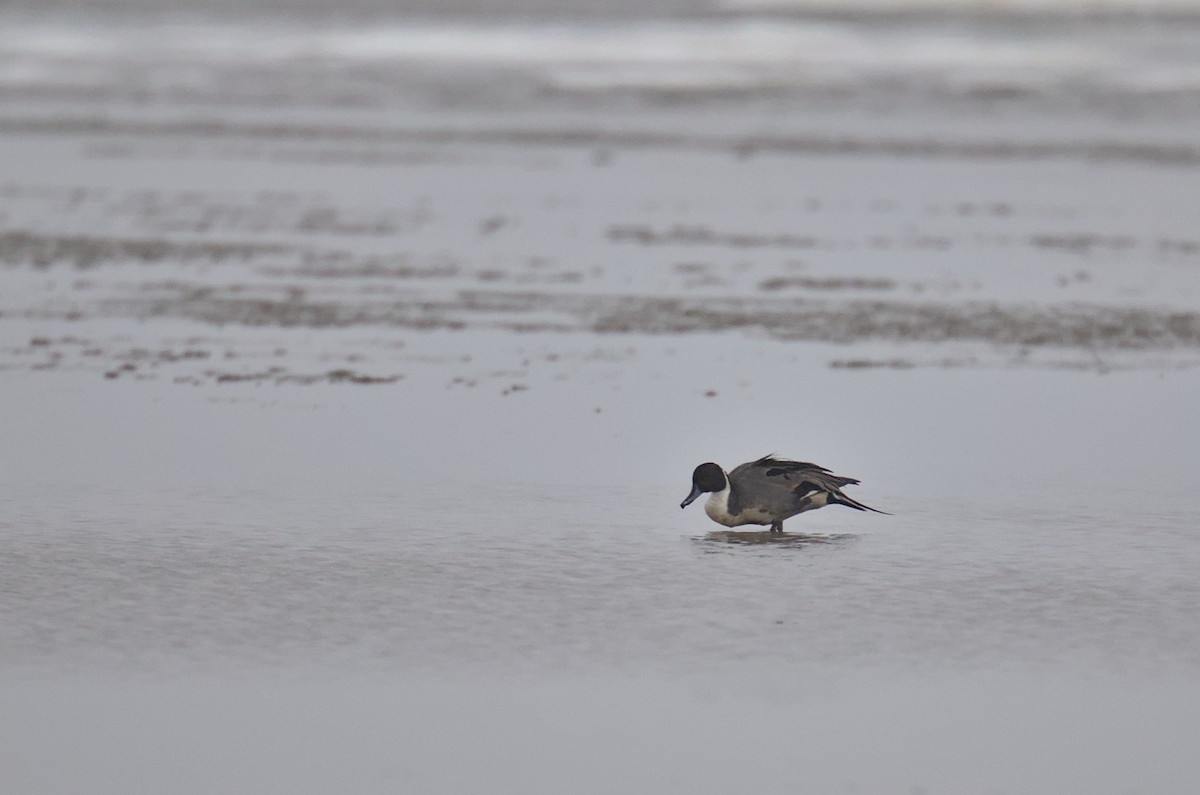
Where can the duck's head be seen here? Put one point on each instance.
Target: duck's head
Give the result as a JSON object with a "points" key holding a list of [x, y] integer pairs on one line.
{"points": [[706, 477]]}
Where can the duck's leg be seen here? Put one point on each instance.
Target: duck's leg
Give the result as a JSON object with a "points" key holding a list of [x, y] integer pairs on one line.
{"points": [[777, 527]]}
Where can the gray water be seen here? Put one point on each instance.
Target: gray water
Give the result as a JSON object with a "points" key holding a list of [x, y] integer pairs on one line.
{"points": [[222, 590], [355, 362]]}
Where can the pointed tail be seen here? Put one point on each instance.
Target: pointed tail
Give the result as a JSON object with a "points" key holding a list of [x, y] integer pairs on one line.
{"points": [[837, 498]]}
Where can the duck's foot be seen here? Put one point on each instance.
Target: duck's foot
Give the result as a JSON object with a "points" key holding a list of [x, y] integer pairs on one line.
{"points": [[777, 527]]}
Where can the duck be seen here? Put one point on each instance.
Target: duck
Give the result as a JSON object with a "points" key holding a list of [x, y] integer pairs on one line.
{"points": [[767, 491]]}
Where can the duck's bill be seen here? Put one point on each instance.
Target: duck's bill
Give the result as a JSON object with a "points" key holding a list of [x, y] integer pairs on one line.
{"points": [[691, 497]]}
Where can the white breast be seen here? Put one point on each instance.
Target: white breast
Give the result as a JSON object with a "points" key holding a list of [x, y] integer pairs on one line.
{"points": [[717, 508]]}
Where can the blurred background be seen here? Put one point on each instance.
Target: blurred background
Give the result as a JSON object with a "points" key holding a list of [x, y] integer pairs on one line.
{"points": [[560, 159], [743, 67]]}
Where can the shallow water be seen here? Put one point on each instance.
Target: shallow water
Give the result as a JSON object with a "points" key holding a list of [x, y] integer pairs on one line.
{"points": [[355, 372], [212, 572], [190, 547]]}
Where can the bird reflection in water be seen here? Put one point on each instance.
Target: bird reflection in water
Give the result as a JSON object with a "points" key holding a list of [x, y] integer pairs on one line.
{"points": [[766, 537]]}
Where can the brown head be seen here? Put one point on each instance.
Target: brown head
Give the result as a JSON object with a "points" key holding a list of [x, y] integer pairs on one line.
{"points": [[706, 478]]}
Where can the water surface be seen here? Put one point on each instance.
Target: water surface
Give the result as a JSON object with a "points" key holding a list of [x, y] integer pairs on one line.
{"points": [[356, 361]]}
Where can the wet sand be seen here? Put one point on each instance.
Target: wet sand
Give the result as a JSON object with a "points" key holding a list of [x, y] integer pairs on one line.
{"points": [[1006, 281]]}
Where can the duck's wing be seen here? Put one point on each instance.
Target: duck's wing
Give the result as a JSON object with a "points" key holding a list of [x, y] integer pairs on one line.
{"points": [[790, 474], [781, 480]]}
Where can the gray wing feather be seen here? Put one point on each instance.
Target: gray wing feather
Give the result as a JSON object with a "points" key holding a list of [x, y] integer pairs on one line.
{"points": [[780, 484]]}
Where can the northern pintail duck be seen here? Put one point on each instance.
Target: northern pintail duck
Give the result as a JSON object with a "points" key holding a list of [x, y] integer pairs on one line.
{"points": [[767, 491]]}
